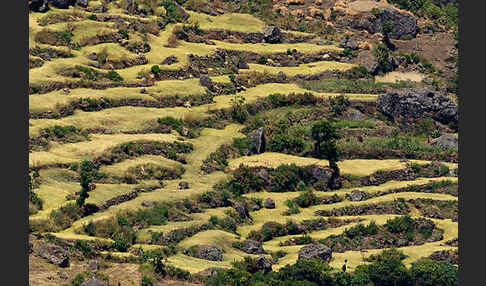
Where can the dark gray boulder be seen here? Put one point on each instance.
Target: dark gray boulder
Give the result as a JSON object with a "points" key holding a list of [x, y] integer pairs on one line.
{"points": [[210, 252], [54, 253], [264, 264], [353, 114], [272, 34], [39, 6], [448, 141], [252, 247], [242, 211], [281, 76], [322, 174], [315, 250], [407, 105], [403, 23], [258, 138], [206, 81], [243, 65], [369, 61], [269, 203], [356, 195], [93, 282], [349, 43], [82, 3], [169, 60], [62, 4], [183, 185]]}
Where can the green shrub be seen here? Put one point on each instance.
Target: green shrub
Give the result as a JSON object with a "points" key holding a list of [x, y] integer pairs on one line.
{"points": [[78, 279], [114, 76], [432, 273], [155, 69]]}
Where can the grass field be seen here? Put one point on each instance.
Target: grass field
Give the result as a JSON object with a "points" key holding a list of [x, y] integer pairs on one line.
{"points": [[57, 184]]}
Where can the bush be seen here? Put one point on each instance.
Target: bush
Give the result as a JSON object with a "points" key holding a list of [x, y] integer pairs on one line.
{"points": [[155, 70], [114, 76], [434, 273], [147, 281], [121, 245], [78, 280]]}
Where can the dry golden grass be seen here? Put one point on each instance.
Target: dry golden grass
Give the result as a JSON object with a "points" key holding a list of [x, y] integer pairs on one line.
{"points": [[358, 167], [74, 152]]}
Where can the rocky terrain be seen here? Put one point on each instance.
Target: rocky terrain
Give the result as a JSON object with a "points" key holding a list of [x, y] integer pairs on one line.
{"points": [[283, 142]]}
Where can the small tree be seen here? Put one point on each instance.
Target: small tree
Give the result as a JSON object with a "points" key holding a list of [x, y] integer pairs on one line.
{"points": [[325, 146], [86, 177], [239, 112]]}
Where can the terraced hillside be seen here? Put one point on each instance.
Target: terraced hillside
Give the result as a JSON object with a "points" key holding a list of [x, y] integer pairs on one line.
{"points": [[170, 139]]}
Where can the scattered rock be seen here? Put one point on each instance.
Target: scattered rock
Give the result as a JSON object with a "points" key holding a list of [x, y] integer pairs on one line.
{"points": [[264, 264], [143, 91], [82, 3], [281, 76], [93, 265], [63, 275], [62, 4], [407, 105], [170, 60], [315, 250], [243, 65], [369, 61], [272, 34], [269, 203], [252, 247], [210, 252], [209, 272], [258, 137], [353, 114], [38, 6], [206, 81], [93, 282], [350, 43], [54, 253], [356, 196], [241, 210], [183, 185], [322, 174], [448, 141]]}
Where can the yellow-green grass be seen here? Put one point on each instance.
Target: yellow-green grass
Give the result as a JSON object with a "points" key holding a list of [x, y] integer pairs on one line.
{"points": [[73, 236], [303, 69], [74, 152], [233, 21], [264, 48], [265, 215], [198, 183], [104, 192], [119, 119], [120, 169], [220, 238], [355, 258], [113, 51], [90, 28], [281, 197], [198, 219], [53, 195], [358, 167], [55, 99]]}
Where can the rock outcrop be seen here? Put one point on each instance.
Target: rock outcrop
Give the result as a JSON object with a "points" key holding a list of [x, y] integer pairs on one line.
{"points": [[54, 253], [252, 247], [403, 24], [407, 105], [258, 138], [315, 250]]}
